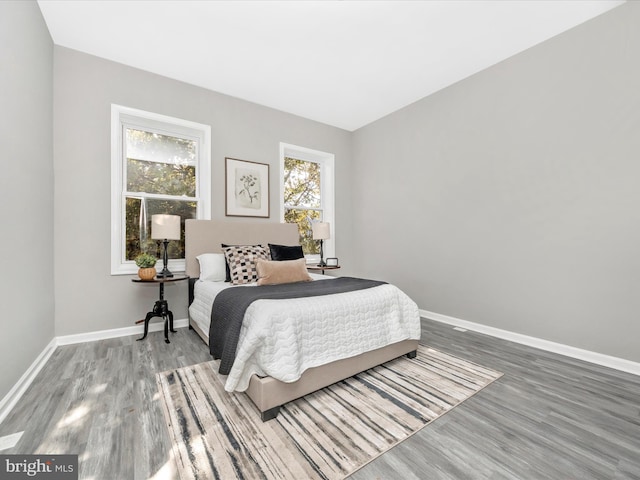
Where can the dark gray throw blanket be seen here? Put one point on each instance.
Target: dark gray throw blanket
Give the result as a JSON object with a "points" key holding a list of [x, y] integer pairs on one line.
{"points": [[230, 305]]}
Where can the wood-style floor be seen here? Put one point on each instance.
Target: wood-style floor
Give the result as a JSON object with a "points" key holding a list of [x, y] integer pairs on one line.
{"points": [[548, 417]]}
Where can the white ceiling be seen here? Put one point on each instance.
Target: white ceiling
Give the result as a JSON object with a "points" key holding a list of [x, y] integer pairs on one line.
{"points": [[344, 63]]}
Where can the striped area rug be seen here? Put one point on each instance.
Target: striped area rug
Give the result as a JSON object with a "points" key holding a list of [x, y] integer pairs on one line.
{"points": [[328, 434]]}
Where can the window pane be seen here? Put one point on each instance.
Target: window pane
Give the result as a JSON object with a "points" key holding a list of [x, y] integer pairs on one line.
{"points": [[160, 163], [138, 225], [301, 183], [304, 219]]}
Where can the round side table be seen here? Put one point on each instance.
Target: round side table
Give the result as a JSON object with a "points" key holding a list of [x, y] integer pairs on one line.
{"points": [[161, 307]]}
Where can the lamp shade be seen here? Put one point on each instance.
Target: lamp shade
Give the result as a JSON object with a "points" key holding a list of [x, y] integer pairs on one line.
{"points": [[321, 231], [165, 227]]}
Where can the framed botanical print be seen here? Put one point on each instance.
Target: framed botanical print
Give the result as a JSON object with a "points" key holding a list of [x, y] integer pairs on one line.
{"points": [[247, 188]]}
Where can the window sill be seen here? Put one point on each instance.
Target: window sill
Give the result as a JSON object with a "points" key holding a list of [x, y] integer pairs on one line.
{"points": [[130, 268]]}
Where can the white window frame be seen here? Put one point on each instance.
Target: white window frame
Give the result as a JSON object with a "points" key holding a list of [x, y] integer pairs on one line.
{"points": [[327, 189], [126, 117]]}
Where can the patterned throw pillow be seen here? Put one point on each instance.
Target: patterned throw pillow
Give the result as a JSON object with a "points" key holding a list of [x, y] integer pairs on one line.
{"points": [[242, 261], [224, 245]]}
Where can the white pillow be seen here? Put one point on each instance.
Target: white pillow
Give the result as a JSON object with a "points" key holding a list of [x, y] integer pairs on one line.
{"points": [[213, 267]]}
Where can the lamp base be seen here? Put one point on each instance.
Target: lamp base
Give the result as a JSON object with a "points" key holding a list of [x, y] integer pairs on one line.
{"points": [[322, 262], [165, 273]]}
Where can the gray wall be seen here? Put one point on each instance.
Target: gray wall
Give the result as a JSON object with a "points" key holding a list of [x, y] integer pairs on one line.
{"points": [[26, 189], [87, 297], [512, 198]]}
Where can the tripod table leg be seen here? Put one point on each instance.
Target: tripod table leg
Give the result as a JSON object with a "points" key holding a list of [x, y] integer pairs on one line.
{"points": [[149, 316], [171, 322]]}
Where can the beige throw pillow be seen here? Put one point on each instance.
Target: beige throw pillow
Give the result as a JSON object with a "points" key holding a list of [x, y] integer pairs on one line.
{"points": [[285, 271]]}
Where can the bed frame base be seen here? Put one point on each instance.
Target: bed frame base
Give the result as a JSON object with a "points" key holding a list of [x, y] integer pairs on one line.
{"points": [[270, 414], [268, 394], [204, 336]]}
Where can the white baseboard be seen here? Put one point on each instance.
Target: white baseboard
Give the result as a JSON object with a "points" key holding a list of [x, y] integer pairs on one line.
{"points": [[117, 332], [11, 399], [567, 350]]}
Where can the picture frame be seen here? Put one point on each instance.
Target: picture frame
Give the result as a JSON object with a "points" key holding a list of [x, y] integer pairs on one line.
{"points": [[331, 261], [246, 188]]}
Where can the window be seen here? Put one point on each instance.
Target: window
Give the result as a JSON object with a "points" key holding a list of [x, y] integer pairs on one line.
{"points": [[159, 164], [308, 194]]}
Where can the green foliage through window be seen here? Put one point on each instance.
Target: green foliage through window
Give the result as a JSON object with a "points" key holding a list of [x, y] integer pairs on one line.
{"points": [[302, 199], [138, 225], [160, 178]]}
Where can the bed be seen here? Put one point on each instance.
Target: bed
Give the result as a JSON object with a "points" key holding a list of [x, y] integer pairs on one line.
{"points": [[266, 392]]}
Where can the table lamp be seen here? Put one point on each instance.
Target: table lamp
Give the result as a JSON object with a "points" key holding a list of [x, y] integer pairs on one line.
{"points": [[322, 232], [165, 228]]}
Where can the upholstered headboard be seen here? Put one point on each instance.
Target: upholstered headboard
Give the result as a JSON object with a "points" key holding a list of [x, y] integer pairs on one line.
{"points": [[205, 236]]}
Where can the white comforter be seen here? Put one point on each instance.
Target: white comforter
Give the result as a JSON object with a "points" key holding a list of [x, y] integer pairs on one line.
{"points": [[283, 338]]}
